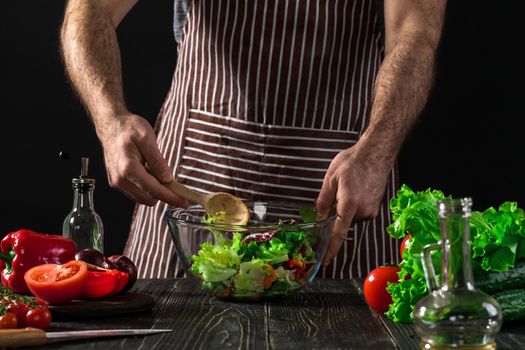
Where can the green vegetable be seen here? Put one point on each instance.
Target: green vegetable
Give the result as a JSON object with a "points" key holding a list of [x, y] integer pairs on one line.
{"points": [[308, 214], [415, 213], [492, 282], [512, 304], [237, 267], [284, 285], [216, 263], [249, 280], [495, 236], [497, 241]]}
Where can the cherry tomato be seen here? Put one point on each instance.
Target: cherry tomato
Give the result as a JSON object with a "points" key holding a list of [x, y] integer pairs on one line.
{"points": [[57, 284], [41, 302], [8, 321], [404, 242], [375, 284], [39, 317], [20, 310]]}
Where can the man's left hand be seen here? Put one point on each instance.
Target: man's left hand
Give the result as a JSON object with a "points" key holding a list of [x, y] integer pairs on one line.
{"points": [[354, 187]]}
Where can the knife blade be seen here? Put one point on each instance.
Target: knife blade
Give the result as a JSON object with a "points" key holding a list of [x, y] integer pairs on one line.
{"points": [[34, 336]]}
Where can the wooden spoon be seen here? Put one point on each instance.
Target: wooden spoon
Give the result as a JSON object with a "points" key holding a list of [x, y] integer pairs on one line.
{"points": [[236, 212]]}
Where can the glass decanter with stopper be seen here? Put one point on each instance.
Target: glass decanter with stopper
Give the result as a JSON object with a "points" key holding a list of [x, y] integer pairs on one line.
{"points": [[83, 224], [455, 315]]}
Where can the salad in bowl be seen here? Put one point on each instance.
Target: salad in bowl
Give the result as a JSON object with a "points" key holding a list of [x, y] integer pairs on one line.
{"points": [[277, 253]]}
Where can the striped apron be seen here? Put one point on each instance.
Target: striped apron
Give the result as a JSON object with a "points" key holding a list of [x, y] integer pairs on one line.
{"points": [[264, 95]]}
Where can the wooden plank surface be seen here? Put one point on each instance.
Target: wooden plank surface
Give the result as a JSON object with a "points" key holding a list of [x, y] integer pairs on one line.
{"points": [[330, 315]]}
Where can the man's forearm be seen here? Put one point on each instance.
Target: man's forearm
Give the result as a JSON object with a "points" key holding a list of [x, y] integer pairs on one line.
{"points": [[405, 78], [401, 91], [92, 59]]}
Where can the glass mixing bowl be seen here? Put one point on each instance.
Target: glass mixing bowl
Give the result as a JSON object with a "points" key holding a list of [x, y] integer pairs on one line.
{"points": [[278, 252]]}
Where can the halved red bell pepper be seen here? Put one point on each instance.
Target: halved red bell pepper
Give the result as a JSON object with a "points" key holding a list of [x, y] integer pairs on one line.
{"points": [[24, 249], [103, 282], [122, 281]]}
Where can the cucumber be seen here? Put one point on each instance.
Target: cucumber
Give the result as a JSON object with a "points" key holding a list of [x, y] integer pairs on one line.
{"points": [[493, 282], [512, 304]]}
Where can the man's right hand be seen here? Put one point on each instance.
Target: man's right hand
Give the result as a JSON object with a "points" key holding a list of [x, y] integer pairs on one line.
{"points": [[134, 163]]}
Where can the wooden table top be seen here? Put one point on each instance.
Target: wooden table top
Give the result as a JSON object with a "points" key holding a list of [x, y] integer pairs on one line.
{"points": [[331, 314]]}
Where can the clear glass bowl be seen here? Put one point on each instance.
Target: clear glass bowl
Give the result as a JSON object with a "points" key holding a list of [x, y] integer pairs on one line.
{"points": [[278, 252]]}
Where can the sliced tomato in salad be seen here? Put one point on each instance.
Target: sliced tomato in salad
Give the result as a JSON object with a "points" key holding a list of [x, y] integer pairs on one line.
{"points": [[298, 265], [269, 277]]}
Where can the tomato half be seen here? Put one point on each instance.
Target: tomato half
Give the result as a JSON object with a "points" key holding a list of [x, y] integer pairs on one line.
{"points": [[404, 243], [375, 284], [57, 284]]}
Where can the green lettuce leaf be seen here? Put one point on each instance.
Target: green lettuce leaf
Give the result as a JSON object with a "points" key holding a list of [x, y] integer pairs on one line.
{"points": [[216, 262], [496, 235], [497, 240], [273, 252], [249, 280]]}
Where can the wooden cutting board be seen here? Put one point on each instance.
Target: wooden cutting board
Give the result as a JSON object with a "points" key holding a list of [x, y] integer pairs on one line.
{"points": [[127, 303]]}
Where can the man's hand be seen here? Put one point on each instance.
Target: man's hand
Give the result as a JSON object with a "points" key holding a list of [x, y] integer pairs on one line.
{"points": [[92, 60], [356, 179], [354, 187], [129, 144]]}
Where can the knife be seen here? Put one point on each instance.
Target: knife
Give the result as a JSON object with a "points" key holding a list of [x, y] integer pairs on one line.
{"points": [[34, 336]]}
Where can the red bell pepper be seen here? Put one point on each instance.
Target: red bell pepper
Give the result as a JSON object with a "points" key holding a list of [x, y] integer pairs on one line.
{"points": [[103, 282], [24, 249]]}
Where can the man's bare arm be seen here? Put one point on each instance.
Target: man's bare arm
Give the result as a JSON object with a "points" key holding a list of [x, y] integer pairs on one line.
{"points": [[356, 179], [412, 35], [91, 56]]}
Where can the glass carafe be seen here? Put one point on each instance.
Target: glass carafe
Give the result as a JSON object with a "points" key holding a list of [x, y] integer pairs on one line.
{"points": [[455, 315], [83, 224]]}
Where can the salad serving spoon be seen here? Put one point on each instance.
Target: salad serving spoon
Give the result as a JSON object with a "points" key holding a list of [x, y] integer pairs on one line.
{"points": [[235, 211]]}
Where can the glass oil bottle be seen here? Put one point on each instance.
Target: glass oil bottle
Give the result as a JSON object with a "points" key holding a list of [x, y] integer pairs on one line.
{"points": [[83, 224], [455, 315]]}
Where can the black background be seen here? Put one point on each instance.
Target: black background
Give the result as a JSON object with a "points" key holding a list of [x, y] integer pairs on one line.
{"points": [[468, 142]]}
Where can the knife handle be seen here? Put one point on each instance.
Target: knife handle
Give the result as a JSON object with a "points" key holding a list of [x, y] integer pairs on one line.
{"points": [[22, 337]]}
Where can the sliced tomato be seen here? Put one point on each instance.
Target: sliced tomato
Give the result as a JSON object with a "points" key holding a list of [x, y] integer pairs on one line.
{"points": [[269, 276], [297, 265], [57, 284]]}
